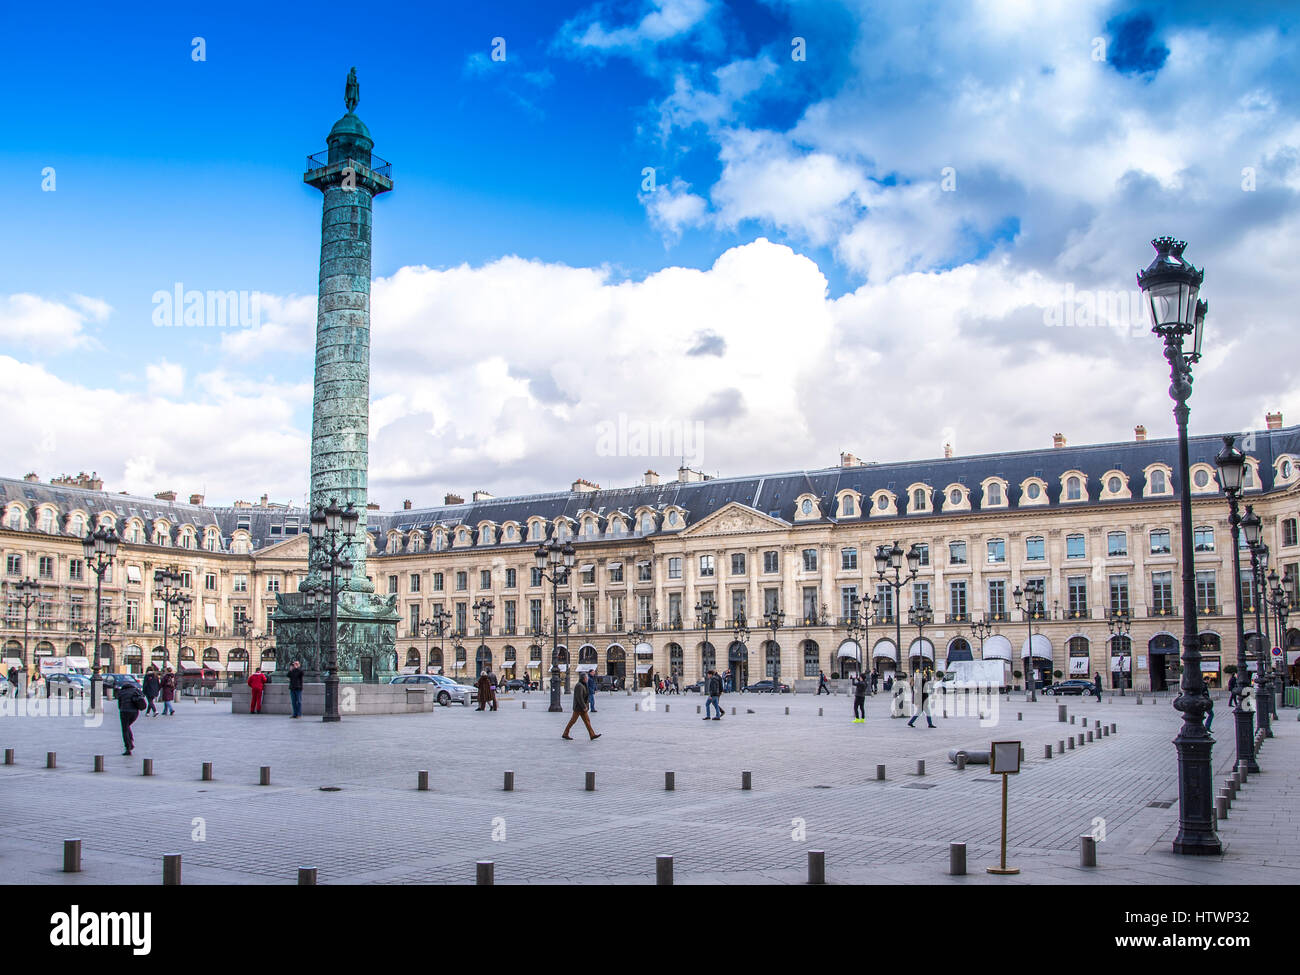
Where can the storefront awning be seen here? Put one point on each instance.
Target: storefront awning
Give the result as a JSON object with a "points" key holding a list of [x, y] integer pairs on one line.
{"points": [[921, 648], [643, 668], [850, 649], [960, 653], [997, 647], [583, 668], [614, 565], [1042, 648], [588, 567], [885, 650], [644, 650]]}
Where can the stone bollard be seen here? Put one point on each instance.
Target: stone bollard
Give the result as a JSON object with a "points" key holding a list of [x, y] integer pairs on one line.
{"points": [[485, 873], [667, 707], [1069, 742], [421, 781], [1022, 754], [1071, 719], [787, 709], [206, 773], [1105, 731], [816, 866], [1047, 751], [1139, 699], [523, 705], [880, 773], [1096, 724], [9, 756], [733, 712], [961, 761], [1060, 746], [148, 767], [697, 709], [591, 781], [99, 763], [51, 760], [264, 775], [1087, 850], [636, 706], [664, 871], [1090, 736], [920, 766], [1112, 728], [1081, 740], [1020, 716], [670, 781], [1221, 804], [746, 780], [306, 876], [508, 783], [819, 712], [72, 856], [957, 859], [1061, 711], [171, 869]]}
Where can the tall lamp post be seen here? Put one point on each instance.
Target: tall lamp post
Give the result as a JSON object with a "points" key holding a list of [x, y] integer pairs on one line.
{"points": [[559, 558], [1172, 286], [773, 620], [333, 530], [636, 635], [167, 590], [861, 613], [1251, 526], [740, 634], [1281, 600], [434, 625], [706, 614], [920, 617], [29, 593], [1119, 624], [1231, 462], [892, 558], [1030, 601], [100, 547], [483, 607]]}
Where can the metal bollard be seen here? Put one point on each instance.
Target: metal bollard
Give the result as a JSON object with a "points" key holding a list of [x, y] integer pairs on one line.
{"points": [[171, 870], [1020, 716], [523, 705], [637, 706], [920, 766], [1022, 754], [9, 756], [670, 781], [1071, 719], [819, 712], [1139, 699], [664, 871], [1087, 850], [306, 876], [880, 773], [72, 856], [1047, 751], [787, 709], [733, 712], [485, 873], [957, 859], [99, 763], [1061, 712], [697, 709], [1221, 806], [746, 780], [206, 773], [1070, 743], [1081, 740], [148, 767], [51, 760], [591, 781], [1112, 728], [264, 775], [816, 866], [508, 785], [1060, 746], [961, 761], [1090, 736], [1105, 731], [421, 781], [667, 708]]}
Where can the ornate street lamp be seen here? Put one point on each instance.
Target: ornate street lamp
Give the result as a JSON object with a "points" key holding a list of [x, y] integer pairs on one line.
{"points": [[636, 635], [1172, 287], [333, 532], [29, 593], [559, 558], [1231, 462], [483, 607], [892, 558], [1032, 598], [167, 590], [981, 630], [1252, 527], [100, 547], [1281, 600], [706, 614], [1119, 624], [434, 625], [773, 619], [861, 613]]}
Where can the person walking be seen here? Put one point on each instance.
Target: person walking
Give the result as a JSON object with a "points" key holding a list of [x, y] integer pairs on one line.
{"points": [[167, 691], [591, 691], [1233, 693], [822, 686], [1096, 686], [713, 688], [151, 688], [130, 701], [580, 709], [1209, 710], [256, 681], [924, 678], [860, 685], [296, 677], [484, 691], [13, 680]]}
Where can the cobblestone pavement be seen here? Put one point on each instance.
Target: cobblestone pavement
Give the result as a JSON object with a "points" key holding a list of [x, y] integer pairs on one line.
{"points": [[814, 787]]}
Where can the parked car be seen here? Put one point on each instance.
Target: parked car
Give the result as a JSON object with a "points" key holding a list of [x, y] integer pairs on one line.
{"points": [[75, 680], [696, 688], [1074, 686], [115, 681], [606, 682], [447, 689], [766, 687], [516, 684]]}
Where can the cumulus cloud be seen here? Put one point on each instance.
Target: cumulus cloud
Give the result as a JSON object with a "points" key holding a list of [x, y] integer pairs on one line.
{"points": [[48, 325]]}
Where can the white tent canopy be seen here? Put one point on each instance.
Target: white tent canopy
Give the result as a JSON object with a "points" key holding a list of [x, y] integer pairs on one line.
{"points": [[997, 647], [1042, 647], [885, 649], [921, 648], [850, 649]]}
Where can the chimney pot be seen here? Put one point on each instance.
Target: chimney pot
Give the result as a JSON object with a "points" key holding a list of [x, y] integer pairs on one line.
{"points": [[1273, 420], [453, 499], [651, 478], [1140, 433], [406, 505], [947, 450], [1058, 440]]}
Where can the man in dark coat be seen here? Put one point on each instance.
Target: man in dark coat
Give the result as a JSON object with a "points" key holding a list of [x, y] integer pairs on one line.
{"points": [[129, 703], [580, 709], [484, 684], [1096, 686], [151, 688], [860, 685], [296, 677]]}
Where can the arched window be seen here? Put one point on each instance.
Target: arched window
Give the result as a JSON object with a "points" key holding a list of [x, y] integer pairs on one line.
{"points": [[708, 658], [995, 493], [846, 506], [918, 499], [1158, 484], [1073, 489]]}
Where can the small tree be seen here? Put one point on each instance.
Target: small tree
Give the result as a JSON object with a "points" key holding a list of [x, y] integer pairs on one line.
{"points": [[1057, 674], [1230, 669], [1016, 674]]}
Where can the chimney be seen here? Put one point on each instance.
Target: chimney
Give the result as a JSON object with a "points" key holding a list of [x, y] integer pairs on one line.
{"points": [[196, 499], [166, 495], [265, 501], [686, 475], [1273, 420], [33, 477], [453, 499], [372, 506], [406, 505], [651, 478], [1058, 440], [947, 450], [583, 485], [1139, 433], [848, 459], [482, 495]]}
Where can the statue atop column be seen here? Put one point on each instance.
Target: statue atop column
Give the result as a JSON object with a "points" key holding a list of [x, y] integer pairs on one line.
{"points": [[352, 93]]}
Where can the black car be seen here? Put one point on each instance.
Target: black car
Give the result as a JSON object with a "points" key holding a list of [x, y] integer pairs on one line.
{"points": [[696, 688], [1076, 686], [766, 687], [516, 684]]}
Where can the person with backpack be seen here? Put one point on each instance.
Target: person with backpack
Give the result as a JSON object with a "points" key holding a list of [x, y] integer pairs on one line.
{"points": [[151, 687], [860, 685], [822, 686], [713, 687], [130, 701]]}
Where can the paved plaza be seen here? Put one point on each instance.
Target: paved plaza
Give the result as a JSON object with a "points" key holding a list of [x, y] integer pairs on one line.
{"points": [[814, 787]]}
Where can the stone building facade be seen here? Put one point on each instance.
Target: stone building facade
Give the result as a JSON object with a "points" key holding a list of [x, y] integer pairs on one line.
{"points": [[1097, 524]]}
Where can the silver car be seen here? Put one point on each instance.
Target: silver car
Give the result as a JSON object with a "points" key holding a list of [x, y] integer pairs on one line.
{"points": [[447, 689]]}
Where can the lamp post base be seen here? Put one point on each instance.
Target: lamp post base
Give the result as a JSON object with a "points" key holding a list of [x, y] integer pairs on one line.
{"points": [[555, 696], [1196, 835], [331, 699]]}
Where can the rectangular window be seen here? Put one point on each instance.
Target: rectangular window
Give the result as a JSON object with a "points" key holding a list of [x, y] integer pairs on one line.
{"points": [[415, 582], [737, 604], [616, 573], [956, 553], [675, 567], [847, 595], [675, 610], [957, 607], [1247, 594], [512, 618], [1035, 549], [885, 599], [210, 582], [1203, 539], [240, 582], [643, 572], [159, 618], [45, 567], [810, 560], [1117, 544], [1119, 595], [771, 562], [923, 550], [1160, 542], [706, 565], [392, 585], [810, 605], [997, 599], [1162, 593], [462, 616], [415, 619], [132, 614], [1074, 548], [1207, 593], [512, 578], [645, 610], [588, 575], [462, 581], [535, 615], [737, 563], [997, 550], [848, 558], [771, 600], [534, 577], [485, 579], [1289, 532], [588, 607], [1077, 597], [272, 583], [14, 565], [920, 594], [75, 570], [437, 582]]}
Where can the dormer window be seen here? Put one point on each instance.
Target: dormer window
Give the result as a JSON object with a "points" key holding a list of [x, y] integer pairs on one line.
{"points": [[846, 506], [1073, 489], [995, 494], [882, 502], [1033, 491], [1158, 483], [954, 496], [807, 506], [918, 499]]}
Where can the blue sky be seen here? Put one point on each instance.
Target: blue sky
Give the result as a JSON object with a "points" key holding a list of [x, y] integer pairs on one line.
{"points": [[800, 230]]}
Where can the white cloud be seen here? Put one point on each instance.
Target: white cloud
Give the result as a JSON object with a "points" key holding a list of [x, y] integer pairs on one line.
{"points": [[674, 207], [48, 325], [165, 379], [663, 21]]}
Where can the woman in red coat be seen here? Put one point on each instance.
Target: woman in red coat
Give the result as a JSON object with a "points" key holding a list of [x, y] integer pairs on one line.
{"points": [[168, 695], [257, 682]]}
